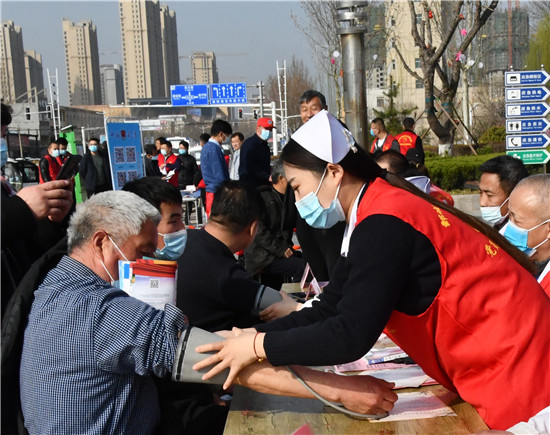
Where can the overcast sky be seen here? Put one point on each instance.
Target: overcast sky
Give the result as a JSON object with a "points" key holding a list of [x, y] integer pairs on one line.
{"points": [[261, 32]]}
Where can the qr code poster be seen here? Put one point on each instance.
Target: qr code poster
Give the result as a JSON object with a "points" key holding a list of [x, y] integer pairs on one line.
{"points": [[125, 152], [130, 155], [119, 155], [132, 175], [121, 178]]}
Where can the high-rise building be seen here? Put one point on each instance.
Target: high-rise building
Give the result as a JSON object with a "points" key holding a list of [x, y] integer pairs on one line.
{"points": [[112, 87], [169, 48], [12, 68], [204, 68], [82, 60], [142, 49], [34, 72]]}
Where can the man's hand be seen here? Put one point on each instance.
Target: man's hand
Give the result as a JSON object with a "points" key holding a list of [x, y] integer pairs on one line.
{"points": [[53, 199], [280, 309], [288, 253], [367, 395]]}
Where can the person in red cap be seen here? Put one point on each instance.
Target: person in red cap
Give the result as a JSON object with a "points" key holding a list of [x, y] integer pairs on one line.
{"points": [[255, 166]]}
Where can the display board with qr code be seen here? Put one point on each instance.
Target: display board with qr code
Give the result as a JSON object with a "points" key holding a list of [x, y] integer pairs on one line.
{"points": [[125, 152]]}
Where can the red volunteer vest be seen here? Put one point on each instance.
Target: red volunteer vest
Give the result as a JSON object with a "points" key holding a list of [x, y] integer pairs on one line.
{"points": [[53, 168], [487, 333], [545, 284], [407, 141], [385, 146], [171, 159]]}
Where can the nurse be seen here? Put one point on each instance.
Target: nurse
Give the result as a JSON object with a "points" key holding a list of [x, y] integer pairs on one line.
{"points": [[445, 287]]}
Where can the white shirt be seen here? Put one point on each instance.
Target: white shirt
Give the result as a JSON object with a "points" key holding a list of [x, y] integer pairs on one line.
{"points": [[234, 165]]}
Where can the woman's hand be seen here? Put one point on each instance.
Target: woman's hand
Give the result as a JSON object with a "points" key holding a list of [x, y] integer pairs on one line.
{"points": [[280, 309], [233, 353]]}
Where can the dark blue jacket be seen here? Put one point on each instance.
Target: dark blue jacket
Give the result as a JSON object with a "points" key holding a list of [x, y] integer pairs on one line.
{"points": [[255, 165]]}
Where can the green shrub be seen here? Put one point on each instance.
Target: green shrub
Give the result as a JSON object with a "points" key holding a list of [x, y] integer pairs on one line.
{"points": [[493, 135], [452, 172]]}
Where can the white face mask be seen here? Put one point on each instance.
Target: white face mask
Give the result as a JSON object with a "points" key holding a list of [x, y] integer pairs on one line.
{"points": [[113, 281], [492, 214]]}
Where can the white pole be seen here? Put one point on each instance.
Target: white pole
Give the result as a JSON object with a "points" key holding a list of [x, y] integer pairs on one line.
{"points": [[273, 117]]}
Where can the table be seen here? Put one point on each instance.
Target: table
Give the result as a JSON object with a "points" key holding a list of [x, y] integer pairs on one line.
{"points": [[187, 200], [256, 413]]}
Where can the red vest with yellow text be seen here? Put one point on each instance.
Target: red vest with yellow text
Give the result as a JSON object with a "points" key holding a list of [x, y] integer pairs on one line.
{"points": [[172, 158], [385, 146], [53, 168], [486, 335], [407, 141]]}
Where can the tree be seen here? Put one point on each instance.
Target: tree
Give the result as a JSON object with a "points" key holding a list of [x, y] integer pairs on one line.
{"points": [[539, 49], [443, 59], [298, 81], [321, 32]]}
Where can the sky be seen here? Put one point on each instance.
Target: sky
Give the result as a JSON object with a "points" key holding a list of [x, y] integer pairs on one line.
{"points": [[260, 32]]}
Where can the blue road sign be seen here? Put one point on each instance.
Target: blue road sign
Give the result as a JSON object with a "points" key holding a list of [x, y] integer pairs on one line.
{"points": [[535, 125], [518, 78], [189, 95], [228, 93], [527, 141], [538, 93], [526, 110]]}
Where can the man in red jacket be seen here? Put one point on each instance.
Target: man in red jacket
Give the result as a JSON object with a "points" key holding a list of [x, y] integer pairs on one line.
{"points": [[49, 164], [383, 141], [169, 164]]}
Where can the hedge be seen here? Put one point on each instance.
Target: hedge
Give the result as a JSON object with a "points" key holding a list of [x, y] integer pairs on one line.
{"points": [[452, 172]]}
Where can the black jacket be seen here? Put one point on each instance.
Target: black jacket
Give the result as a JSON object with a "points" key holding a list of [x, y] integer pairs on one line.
{"points": [[275, 230], [152, 168], [188, 170], [255, 162], [88, 172]]}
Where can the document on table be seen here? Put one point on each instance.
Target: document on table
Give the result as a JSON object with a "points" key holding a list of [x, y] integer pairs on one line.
{"points": [[410, 376], [412, 406]]}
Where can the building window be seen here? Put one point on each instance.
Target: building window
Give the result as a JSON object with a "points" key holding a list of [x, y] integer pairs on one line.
{"points": [[393, 64], [380, 102], [418, 18], [419, 84], [417, 63]]}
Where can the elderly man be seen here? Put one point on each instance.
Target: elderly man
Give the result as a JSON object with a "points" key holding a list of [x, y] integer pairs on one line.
{"points": [[499, 176], [255, 160], [89, 348], [529, 226]]}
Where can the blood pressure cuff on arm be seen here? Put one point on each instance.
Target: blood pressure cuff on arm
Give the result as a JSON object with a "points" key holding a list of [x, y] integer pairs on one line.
{"points": [[186, 356], [265, 297]]}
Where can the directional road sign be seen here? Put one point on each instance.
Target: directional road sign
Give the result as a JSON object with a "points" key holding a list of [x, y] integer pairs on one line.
{"points": [[536, 125], [188, 95], [527, 141], [538, 93], [526, 110], [526, 78], [228, 93], [531, 157]]}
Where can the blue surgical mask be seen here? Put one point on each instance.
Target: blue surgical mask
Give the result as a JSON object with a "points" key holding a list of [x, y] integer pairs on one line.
{"points": [[371, 132], [174, 245], [313, 212], [163, 152], [3, 152], [154, 157], [55, 153], [62, 152], [265, 134], [183, 151], [93, 148], [518, 236], [492, 214]]}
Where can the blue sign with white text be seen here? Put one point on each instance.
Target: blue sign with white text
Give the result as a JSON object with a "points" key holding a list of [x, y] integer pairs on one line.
{"points": [[538, 93], [527, 141], [518, 78], [535, 125], [125, 152], [526, 110], [228, 93], [189, 95]]}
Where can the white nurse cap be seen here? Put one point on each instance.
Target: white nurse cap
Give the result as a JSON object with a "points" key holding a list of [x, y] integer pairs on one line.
{"points": [[325, 137]]}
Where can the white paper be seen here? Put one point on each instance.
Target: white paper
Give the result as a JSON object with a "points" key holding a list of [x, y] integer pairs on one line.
{"points": [[413, 406]]}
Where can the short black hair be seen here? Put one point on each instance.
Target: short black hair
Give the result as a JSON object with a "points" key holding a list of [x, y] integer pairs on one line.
{"points": [[408, 123], [397, 162], [379, 122], [236, 206], [239, 135], [62, 141], [93, 138], [161, 139], [205, 137], [167, 143], [184, 143], [221, 126], [154, 190], [277, 171], [6, 114], [509, 170], [150, 149], [310, 94]]}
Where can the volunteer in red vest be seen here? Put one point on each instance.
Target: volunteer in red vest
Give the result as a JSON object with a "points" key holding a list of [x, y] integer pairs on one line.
{"points": [[529, 225], [409, 139], [448, 289], [49, 165], [169, 164], [382, 141]]}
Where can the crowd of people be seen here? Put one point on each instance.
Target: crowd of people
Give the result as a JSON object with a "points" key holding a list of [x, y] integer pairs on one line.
{"points": [[466, 298]]}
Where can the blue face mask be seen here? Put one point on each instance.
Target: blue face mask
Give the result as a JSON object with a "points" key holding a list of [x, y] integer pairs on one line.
{"points": [[3, 152], [55, 153], [313, 212], [371, 132], [518, 236], [154, 157], [492, 214], [163, 152], [174, 245], [183, 151], [62, 152], [93, 148], [265, 134]]}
